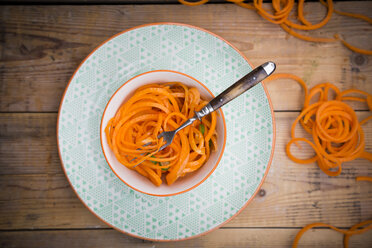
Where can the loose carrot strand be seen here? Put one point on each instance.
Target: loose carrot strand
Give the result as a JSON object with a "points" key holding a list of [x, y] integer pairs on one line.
{"points": [[348, 233], [337, 137], [281, 12], [354, 230], [337, 134]]}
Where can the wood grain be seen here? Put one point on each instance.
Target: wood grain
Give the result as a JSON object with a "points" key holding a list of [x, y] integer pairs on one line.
{"points": [[253, 237], [40, 46], [35, 193], [28, 144], [107, 1]]}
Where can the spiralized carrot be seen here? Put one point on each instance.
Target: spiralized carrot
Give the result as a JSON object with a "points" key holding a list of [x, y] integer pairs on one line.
{"points": [[336, 132], [337, 137], [151, 110], [356, 229], [348, 233], [281, 12]]}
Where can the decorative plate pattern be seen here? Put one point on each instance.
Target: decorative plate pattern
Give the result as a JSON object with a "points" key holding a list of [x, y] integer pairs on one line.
{"points": [[249, 120]]}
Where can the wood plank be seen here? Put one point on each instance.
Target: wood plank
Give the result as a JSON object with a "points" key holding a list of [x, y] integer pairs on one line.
{"points": [[35, 193], [41, 201], [120, 1], [28, 144], [268, 237], [105, 1], [291, 188], [42, 45]]}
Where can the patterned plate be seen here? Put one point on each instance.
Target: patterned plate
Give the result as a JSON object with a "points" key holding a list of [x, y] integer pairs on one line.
{"points": [[249, 120]]}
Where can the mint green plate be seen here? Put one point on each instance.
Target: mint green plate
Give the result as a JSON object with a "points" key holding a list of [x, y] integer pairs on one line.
{"points": [[249, 120]]}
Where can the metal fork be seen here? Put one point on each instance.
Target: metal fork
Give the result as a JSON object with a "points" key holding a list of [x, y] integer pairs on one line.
{"points": [[242, 85]]}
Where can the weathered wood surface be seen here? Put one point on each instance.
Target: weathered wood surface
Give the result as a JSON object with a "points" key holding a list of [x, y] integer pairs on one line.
{"points": [[41, 46], [234, 238], [35, 193], [125, 1], [107, 1]]}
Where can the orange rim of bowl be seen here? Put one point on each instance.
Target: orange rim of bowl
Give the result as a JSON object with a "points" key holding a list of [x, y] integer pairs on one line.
{"points": [[214, 167], [268, 164]]}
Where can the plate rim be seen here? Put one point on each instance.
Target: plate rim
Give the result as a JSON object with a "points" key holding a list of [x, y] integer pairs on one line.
{"points": [[272, 117]]}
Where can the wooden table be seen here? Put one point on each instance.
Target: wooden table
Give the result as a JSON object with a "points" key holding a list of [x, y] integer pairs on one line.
{"points": [[42, 45]]}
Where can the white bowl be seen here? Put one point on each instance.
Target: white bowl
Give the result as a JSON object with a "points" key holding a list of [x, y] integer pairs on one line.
{"points": [[132, 178]]}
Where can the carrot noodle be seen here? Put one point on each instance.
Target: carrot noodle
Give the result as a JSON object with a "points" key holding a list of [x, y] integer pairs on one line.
{"points": [[280, 13], [337, 137], [151, 110], [353, 48], [358, 16], [356, 229], [336, 132], [364, 179], [347, 233]]}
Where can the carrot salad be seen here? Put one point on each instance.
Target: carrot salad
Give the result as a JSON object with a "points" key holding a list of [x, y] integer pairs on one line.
{"points": [[154, 108]]}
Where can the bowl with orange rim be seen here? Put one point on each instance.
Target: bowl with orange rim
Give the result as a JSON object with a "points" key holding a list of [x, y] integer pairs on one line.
{"points": [[131, 149]]}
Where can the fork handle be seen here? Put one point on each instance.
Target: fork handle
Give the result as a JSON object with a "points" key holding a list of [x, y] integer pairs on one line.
{"points": [[238, 88]]}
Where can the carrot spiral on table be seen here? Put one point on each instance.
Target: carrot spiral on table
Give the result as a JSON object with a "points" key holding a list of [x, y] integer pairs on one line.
{"points": [[337, 137], [155, 108], [282, 10], [337, 134]]}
